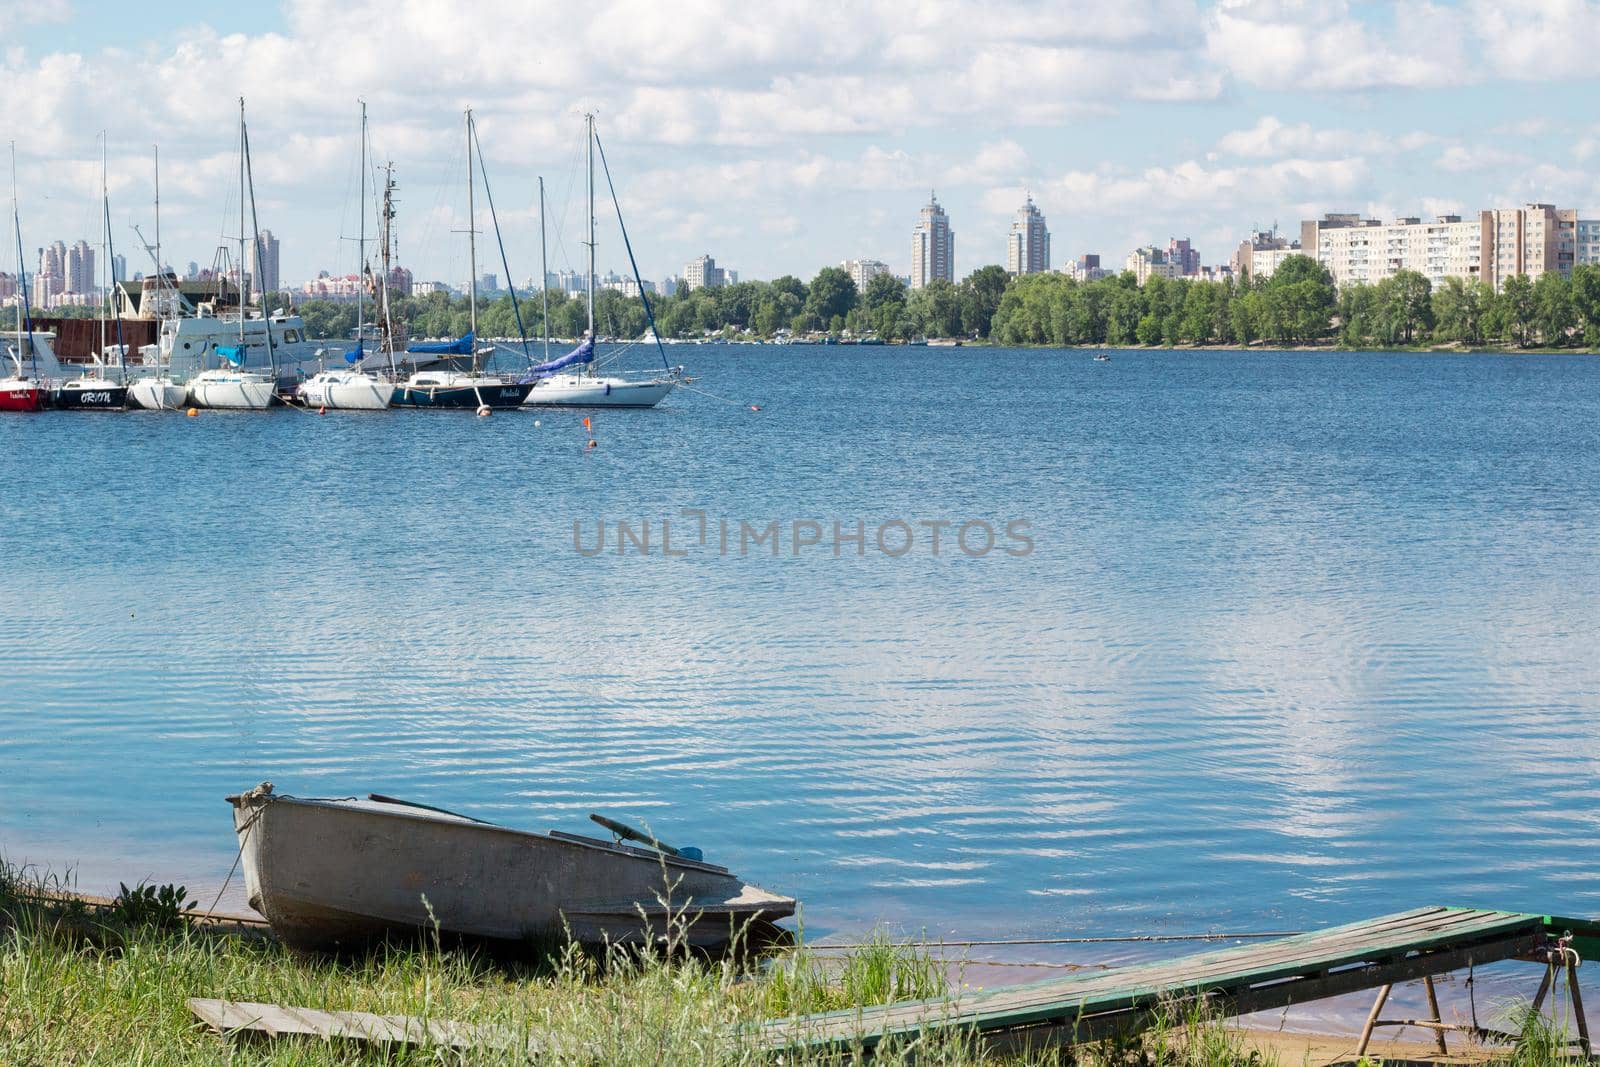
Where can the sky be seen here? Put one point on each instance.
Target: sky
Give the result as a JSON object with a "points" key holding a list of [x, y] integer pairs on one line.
{"points": [[783, 137]]}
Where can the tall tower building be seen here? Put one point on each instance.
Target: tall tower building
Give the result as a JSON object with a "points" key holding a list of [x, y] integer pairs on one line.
{"points": [[80, 268], [933, 246], [1028, 245], [264, 276]]}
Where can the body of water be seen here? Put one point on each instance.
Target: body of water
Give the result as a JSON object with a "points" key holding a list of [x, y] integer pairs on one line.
{"points": [[1302, 637]]}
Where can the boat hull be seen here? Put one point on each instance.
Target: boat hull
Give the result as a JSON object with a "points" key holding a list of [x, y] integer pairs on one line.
{"points": [[96, 396], [232, 394], [579, 392], [332, 874], [357, 394], [25, 395], [501, 395], [157, 394]]}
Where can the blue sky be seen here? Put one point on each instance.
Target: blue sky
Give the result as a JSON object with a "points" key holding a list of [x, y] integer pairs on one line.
{"points": [[787, 136]]}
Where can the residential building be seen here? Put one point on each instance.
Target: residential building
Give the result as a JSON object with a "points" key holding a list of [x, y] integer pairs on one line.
{"points": [[1183, 255], [400, 281], [264, 276], [670, 285], [119, 268], [933, 247], [1358, 249], [862, 271], [1259, 256], [80, 276], [703, 273], [1150, 262], [8, 286], [429, 288], [1028, 243], [1086, 268]]}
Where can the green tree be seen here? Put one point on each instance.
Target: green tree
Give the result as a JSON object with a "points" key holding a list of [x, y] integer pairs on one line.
{"points": [[980, 298], [1585, 296], [1552, 308], [1516, 309], [832, 294], [1405, 306]]}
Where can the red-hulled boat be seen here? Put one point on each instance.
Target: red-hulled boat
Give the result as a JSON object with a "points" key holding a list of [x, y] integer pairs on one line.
{"points": [[21, 394]]}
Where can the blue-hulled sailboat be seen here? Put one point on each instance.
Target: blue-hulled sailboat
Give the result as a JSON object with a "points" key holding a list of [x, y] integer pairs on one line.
{"points": [[450, 387]]}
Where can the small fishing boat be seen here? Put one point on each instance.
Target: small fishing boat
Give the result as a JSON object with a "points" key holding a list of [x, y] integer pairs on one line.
{"points": [[1102, 357], [335, 873]]}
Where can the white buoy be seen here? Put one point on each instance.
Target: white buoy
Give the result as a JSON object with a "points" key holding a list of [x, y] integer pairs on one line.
{"points": [[483, 410], [535, 424]]}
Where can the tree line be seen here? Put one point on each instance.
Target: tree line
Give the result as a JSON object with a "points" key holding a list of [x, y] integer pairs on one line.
{"points": [[1298, 304]]}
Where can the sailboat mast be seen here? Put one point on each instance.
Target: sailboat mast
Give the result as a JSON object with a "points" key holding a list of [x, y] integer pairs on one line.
{"points": [[384, 224], [472, 249], [589, 126], [255, 230], [105, 244], [544, 272], [361, 243], [157, 149], [244, 278], [24, 314]]}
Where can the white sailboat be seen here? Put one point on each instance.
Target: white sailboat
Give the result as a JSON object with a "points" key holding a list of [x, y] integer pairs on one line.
{"points": [[232, 387], [574, 380], [157, 391], [351, 388], [101, 387]]}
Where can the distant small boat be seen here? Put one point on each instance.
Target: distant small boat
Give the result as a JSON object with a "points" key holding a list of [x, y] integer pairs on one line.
{"points": [[333, 873], [1102, 357]]}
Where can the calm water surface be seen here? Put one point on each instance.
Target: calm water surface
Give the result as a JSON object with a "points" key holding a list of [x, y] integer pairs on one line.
{"points": [[1304, 638]]}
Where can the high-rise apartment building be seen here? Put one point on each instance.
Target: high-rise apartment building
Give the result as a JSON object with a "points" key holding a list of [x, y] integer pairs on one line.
{"points": [[1028, 243], [264, 277], [703, 273], [1086, 268], [933, 247], [862, 271], [1182, 253], [1491, 246], [1150, 262], [80, 276]]}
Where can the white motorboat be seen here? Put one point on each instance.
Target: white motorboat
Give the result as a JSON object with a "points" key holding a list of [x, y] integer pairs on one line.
{"points": [[336, 873], [233, 390]]}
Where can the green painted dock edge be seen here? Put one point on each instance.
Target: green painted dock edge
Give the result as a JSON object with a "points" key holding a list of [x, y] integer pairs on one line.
{"points": [[1305, 967]]}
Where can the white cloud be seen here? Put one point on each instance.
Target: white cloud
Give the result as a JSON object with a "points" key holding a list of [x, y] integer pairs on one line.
{"points": [[1462, 158], [1306, 44]]}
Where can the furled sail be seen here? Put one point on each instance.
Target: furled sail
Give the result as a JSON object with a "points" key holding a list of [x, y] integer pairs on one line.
{"points": [[234, 354], [355, 355], [582, 354], [460, 347]]}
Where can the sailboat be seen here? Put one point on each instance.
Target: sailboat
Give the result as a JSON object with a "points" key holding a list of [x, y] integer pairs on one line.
{"points": [[22, 390], [351, 388], [472, 388], [157, 391], [231, 386], [574, 380], [95, 390]]}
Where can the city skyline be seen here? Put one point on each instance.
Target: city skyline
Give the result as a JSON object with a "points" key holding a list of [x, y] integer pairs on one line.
{"points": [[1246, 113]]}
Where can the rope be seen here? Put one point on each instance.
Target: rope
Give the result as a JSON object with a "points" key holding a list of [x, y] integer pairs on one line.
{"points": [[244, 839], [713, 396]]}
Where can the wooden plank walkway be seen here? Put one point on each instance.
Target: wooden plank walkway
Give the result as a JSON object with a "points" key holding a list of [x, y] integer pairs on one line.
{"points": [[274, 1020], [1234, 981]]}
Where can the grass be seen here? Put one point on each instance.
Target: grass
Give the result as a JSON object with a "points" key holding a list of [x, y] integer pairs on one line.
{"points": [[108, 987]]}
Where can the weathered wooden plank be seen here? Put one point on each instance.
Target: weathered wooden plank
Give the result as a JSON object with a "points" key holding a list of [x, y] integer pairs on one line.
{"points": [[1295, 966], [276, 1020]]}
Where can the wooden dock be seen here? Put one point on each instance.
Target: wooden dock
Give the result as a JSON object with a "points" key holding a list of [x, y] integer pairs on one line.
{"points": [[1373, 954]]}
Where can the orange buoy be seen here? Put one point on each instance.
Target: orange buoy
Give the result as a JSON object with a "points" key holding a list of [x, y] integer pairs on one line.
{"points": [[192, 412], [323, 410]]}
